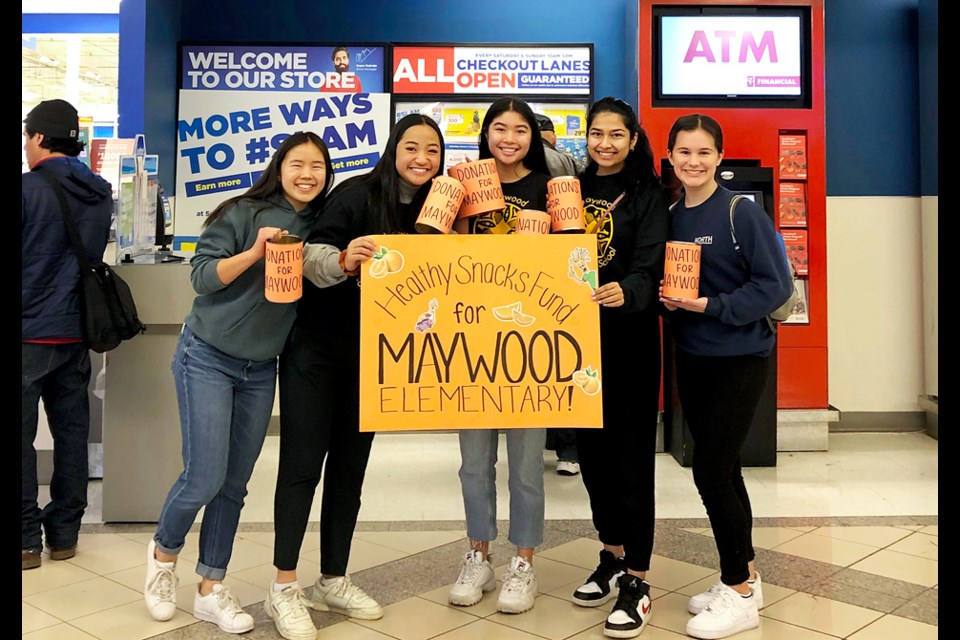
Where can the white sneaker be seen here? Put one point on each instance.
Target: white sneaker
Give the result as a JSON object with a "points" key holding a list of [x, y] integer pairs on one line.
{"points": [[222, 609], [700, 601], [342, 596], [288, 610], [160, 587], [728, 613], [476, 576], [568, 468], [519, 587]]}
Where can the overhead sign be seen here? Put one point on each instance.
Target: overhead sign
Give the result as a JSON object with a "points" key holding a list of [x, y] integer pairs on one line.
{"points": [[542, 70], [480, 332], [338, 69]]}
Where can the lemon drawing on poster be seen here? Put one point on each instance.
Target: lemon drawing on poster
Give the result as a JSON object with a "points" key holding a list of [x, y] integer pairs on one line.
{"points": [[385, 261], [588, 380], [505, 313], [522, 319], [512, 313]]}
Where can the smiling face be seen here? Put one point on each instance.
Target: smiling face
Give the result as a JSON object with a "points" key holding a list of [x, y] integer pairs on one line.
{"points": [[609, 142], [303, 173], [418, 155], [341, 61], [695, 159], [508, 138]]}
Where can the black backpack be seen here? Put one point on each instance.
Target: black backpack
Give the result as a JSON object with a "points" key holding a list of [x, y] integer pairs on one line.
{"points": [[108, 311]]}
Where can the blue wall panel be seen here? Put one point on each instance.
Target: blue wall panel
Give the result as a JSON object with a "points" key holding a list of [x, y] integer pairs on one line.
{"points": [[599, 21], [872, 58], [871, 98]]}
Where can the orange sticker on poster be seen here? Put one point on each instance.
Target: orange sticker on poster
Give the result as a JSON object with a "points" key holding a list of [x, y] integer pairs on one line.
{"points": [[480, 332]]}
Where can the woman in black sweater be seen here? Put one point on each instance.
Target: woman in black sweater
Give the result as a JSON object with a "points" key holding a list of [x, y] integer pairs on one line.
{"points": [[627, 208], [320, 378]]}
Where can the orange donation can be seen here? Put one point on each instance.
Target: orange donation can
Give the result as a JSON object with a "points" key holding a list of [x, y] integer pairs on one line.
{"points": [[441, 206], [565, 205], [681, 271], [482, 186], [532, 222], [283, 281]]}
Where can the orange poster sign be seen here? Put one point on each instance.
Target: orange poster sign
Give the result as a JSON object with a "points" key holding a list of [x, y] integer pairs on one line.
{"points": [[480, 332]]}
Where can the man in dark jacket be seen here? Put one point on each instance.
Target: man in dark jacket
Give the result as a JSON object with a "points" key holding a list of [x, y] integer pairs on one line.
{"points": [[558, 162], [55, 362]]}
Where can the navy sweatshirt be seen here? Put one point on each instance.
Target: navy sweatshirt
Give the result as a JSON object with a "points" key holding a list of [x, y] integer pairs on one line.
{"points": [[734, 321]]}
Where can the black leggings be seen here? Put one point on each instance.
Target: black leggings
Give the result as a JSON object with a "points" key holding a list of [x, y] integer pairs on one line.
{"points": [[618, 462], [719, 396], [319, 418]]}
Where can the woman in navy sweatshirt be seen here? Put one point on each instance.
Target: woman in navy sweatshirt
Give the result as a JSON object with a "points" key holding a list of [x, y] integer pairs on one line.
{"points": [[723, 346]]}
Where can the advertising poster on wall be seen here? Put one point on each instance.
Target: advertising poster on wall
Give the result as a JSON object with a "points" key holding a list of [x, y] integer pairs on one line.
{"points": [[239, 103], [479, 332], [454, 84]]}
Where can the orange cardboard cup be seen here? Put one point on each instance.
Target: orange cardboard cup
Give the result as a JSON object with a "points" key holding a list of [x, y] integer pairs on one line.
{"points": [[681, 271], [441, 206], [482, 185], [565, 205], [533, 222], [283, 281]]}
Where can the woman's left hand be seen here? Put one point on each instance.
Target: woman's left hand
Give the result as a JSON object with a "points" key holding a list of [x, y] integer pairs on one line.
{"points": [[697, 305], [609, 295]]}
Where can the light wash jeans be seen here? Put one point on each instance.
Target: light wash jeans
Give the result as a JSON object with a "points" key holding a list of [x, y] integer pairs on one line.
{"points": [[225, 407], [478, 481]]}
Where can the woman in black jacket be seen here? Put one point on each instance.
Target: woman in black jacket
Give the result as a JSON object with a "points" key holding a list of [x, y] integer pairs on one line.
{"points": [[320, 378], [627, 208]]}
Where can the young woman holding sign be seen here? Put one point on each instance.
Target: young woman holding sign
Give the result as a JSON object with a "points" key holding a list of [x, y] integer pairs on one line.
{"points": [[319, 378], [723, 345], [510, 135], [225, 371], [626, 207]]}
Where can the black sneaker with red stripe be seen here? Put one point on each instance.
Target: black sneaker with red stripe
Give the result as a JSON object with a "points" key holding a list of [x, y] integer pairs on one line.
{"points": [[601, 586], [632, 611]]}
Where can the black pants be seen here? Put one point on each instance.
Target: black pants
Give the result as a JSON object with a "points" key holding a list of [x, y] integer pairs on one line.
{"points": [[564, 442], [719, 396], [618, 462], [319, 419]]}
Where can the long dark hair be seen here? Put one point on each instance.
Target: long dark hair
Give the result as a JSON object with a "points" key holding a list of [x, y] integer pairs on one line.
{"points": [[639, 168], [536, 158], [383, 183], [268, 184]]}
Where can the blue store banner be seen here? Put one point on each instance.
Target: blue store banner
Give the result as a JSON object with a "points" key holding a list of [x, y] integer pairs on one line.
{"points": [[238, 104], [336, 69]]}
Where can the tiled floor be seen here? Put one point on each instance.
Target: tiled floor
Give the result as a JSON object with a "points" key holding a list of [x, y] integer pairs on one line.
{"points": [[847, 541]]}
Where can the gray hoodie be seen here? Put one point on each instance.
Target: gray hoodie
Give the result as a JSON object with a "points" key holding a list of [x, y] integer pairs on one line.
{"points": [[236, 318]]}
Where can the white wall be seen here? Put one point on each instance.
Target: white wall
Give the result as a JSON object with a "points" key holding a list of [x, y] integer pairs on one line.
{"points": [[931, 294], [875, 303]]}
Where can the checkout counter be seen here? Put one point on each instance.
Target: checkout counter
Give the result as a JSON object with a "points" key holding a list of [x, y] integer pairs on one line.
{"points": [[141, 423]]}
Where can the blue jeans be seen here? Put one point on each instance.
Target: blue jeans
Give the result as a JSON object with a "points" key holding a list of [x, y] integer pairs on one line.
{"points": [[225, 406], [59, 374], [478, 481]]}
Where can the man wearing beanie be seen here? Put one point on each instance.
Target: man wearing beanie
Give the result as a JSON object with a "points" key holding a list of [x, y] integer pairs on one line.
{"points": [[558, 162], [55, 362]]}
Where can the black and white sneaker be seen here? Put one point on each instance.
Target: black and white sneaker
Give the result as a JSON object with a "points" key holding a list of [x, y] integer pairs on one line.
{"points": [[601, 586], [632, 611]]}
